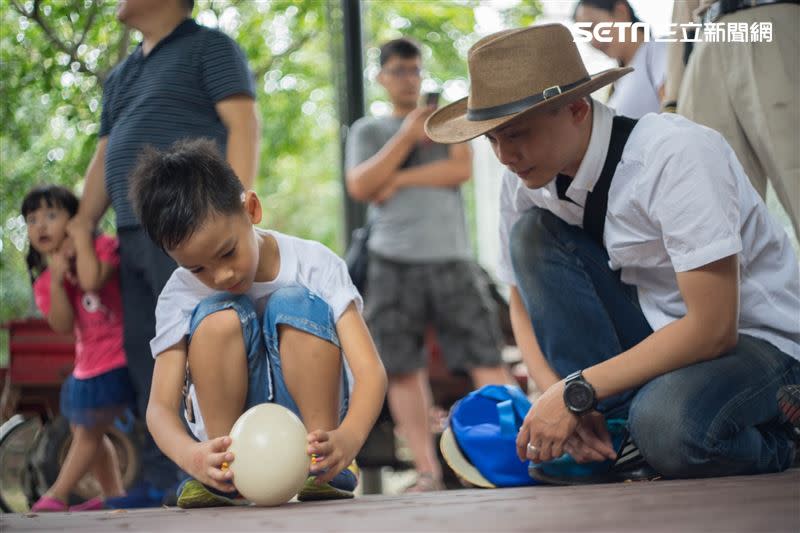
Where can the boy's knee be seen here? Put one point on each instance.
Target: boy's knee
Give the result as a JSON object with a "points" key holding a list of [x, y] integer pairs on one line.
{"points": [[299, 309], [221, 311], [223, 324]]}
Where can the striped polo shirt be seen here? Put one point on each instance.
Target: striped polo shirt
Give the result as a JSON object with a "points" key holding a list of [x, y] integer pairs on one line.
{"points": [[165, 96]]}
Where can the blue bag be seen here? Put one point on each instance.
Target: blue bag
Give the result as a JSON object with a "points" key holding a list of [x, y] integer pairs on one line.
{"points": [[482, 436]]}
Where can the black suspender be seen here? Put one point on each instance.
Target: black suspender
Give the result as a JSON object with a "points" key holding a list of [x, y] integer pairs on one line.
{"points": [[594, 213]]}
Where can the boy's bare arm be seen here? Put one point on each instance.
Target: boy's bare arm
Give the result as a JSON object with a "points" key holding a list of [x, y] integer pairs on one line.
{"points": [[339, 447], [369, 376], [201, 460]]}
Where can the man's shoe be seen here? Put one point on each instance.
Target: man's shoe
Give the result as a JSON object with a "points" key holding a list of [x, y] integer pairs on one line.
{"points": [[340, 487], [789, 404], [629, 465]]}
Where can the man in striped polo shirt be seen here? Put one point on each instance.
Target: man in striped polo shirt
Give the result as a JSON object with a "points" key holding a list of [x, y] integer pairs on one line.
{"points": [[183, 80]]}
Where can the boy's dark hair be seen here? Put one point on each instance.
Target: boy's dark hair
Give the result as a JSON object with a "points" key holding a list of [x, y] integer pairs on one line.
{"points": [[175, 191], [404, 48], [608, 5], [52, 196]]}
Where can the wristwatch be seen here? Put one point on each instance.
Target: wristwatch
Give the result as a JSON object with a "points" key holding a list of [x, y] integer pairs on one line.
{"points": [[579, 395]]}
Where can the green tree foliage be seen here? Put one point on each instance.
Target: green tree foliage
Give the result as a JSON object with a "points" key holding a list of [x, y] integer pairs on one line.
{"points": [[55, 55]]}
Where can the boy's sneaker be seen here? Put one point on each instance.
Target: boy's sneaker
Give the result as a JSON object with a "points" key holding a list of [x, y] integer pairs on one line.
{"points": [[193, 495], [340, 487], [629, 465]]}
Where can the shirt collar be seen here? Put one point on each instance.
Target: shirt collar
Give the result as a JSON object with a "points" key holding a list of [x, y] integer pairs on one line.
{"points": [[187, 27], [595, 157]]}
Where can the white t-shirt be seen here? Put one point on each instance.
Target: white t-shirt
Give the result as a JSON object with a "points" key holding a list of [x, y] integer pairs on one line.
{"points": [[303, 263], [636, 94], [679, 200]]}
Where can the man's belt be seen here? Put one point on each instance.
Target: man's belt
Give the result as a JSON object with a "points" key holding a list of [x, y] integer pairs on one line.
{"points": [[719, 9]]}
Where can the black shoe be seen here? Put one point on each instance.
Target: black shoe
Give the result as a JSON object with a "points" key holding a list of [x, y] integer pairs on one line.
{"points": [[789, 405]]}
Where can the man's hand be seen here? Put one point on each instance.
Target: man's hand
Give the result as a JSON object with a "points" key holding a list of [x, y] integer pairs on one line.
{"points": [[591, 441], [204, 462], [334, 451], [80, 230], [547, 427], [414, 124]]}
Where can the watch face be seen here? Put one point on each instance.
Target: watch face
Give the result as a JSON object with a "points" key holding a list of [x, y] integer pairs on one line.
{"points": [[579, 397]]}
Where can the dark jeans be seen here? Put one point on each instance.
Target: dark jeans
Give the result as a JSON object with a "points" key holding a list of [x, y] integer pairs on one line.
{"points": [[144, 270], [712, 418]]}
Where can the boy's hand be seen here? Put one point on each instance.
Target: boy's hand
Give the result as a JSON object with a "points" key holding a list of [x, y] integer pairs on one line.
{"points": [[335, 450], [205, 463]]}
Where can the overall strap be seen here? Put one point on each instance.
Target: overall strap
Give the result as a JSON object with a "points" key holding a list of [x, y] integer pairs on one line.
{"points": [[594, 213]]}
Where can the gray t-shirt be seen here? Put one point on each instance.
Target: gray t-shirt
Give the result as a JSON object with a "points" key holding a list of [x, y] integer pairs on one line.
{"points": [[417, 224]]}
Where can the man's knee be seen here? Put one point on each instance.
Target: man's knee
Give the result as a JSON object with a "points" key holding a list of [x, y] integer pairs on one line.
{"points": [[668, 436], [529, 233]]}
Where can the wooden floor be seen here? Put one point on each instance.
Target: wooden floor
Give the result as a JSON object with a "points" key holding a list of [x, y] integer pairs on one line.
{"points": [[756, 503]]}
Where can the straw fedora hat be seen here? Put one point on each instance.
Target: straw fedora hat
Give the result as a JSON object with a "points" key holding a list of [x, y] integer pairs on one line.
{"points": [[513, 72]]}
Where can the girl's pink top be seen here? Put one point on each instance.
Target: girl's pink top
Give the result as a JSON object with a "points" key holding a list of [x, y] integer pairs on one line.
{"points": [[98, 316]]}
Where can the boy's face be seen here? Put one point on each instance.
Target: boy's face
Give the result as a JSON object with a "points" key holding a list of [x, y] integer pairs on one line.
{"points": [[224, 253], [402, 79], [538, 146]]}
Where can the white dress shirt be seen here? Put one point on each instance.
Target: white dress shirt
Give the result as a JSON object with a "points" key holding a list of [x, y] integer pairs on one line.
{"points": [[679, 200]]}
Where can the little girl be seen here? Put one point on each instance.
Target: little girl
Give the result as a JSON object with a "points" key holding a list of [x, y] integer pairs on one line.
{"points": [[76, 286]]}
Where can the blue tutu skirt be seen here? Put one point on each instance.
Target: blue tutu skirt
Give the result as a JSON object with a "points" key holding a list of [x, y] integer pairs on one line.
{"points": [[98, 400]]}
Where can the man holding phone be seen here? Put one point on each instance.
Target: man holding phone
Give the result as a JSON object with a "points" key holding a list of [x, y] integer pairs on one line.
{"points": [[421, 270]]}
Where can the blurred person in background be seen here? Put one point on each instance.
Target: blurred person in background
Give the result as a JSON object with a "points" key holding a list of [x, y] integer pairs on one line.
{"points": [[748, 91], [641, 91]]}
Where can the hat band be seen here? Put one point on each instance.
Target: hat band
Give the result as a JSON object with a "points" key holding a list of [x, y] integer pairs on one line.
{"points": [[502, 110]]}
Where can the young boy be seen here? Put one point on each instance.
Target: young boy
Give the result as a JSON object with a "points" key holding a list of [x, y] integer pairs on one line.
{"points": [[250, 316]]}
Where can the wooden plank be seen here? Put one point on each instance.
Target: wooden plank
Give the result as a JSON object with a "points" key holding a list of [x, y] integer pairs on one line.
{"points": [[753, 503]]}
